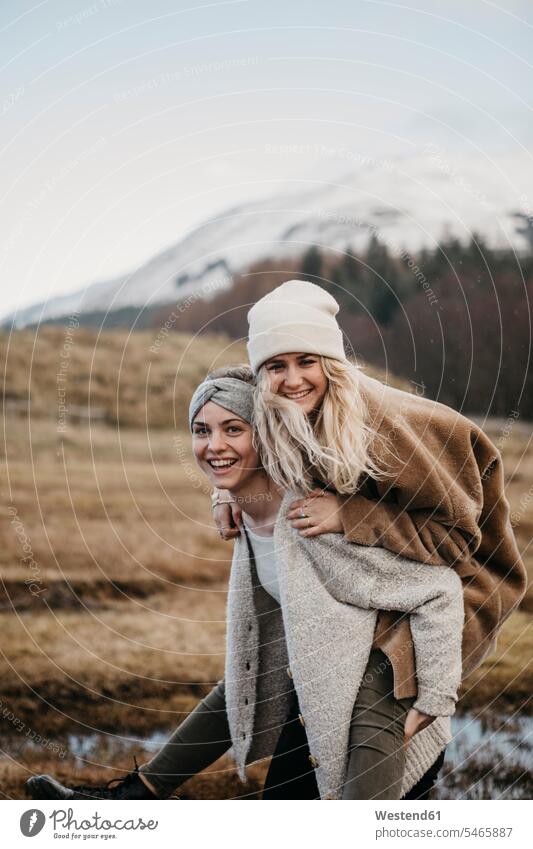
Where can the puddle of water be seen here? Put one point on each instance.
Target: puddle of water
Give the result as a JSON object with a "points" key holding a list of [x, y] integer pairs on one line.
{"points": [[102, 748], [490, 756]]}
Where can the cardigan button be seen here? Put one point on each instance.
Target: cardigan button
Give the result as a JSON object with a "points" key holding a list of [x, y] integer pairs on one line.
{"points": [[302, 720], [248, 667], [289, 673], [313, 761], [246, 701]]}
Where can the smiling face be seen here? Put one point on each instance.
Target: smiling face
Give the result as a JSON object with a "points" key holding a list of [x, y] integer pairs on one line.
{"points": [[223, 447], [298, 377]]}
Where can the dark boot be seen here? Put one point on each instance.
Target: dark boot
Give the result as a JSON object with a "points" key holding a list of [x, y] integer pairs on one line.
{"points": [[129, 787]]}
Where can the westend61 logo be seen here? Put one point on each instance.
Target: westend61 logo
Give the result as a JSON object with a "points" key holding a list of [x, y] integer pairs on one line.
{"points": [[33, 820]]}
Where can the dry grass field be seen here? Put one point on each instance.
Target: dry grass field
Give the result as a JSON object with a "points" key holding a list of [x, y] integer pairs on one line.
{"points": [[113, 591]]}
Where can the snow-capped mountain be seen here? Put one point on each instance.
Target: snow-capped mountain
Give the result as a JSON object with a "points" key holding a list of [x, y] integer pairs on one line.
{"points": [[409, 203]]}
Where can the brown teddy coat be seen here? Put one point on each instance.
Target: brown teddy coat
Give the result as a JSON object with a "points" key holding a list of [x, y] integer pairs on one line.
{"points": [[443, 504]]}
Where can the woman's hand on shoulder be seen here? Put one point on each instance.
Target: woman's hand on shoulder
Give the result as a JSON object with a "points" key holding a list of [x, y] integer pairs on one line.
{"points": [[415, 721], [318, 513], [228, 519]]}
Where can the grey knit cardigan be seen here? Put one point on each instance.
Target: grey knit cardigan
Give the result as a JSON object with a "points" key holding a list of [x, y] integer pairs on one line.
{"points": [[321, 637]]}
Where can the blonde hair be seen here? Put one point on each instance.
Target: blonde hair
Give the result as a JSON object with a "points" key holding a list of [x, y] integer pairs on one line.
{"points": [[336, 446]]}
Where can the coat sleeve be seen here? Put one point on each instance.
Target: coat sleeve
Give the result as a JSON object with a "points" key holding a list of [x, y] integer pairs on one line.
{"points": [[376, 579], [428, 506], [433, 597], [415, 534]]}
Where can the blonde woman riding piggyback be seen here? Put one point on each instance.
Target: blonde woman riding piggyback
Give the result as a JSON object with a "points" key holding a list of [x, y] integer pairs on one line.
{"points": [[381, 467]]}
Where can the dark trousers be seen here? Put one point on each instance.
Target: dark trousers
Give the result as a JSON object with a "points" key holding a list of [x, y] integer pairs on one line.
{"points": [[291, 775], [376, 757]]}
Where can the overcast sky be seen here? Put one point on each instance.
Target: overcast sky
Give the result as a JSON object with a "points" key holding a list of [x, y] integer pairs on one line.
{"points": [[126, 122]]}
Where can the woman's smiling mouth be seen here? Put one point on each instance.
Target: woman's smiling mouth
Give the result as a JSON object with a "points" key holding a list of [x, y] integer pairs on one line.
{"points": [[295, 396], [222, 465]]}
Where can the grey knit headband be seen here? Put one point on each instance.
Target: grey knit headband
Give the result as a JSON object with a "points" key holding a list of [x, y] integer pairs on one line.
{"points": [[228, 392]]}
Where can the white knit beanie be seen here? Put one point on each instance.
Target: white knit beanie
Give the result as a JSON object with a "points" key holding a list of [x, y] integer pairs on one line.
{"points": [[297, 316]]}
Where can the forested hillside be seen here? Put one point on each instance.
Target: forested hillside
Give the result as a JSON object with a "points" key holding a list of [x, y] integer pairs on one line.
{"points": [[455, 320]]}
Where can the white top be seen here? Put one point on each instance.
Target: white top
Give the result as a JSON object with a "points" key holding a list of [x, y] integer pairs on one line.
{"points": [[265, 562]]}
